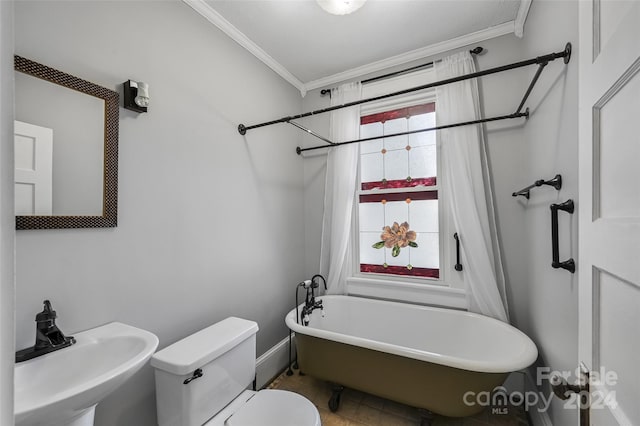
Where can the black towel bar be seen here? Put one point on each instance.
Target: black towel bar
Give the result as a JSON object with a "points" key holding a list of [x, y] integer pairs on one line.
{"points": [[556, 182]]}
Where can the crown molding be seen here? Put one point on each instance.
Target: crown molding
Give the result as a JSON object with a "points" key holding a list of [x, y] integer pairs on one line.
{"points": [[226, 27], [521, 17], [516, 26], [413, 55]]}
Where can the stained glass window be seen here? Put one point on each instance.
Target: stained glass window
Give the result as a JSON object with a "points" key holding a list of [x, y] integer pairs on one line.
{"points": [[398, 197]]}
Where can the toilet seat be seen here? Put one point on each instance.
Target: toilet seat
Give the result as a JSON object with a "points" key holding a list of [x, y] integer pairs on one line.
{"points": [[275, 408]]}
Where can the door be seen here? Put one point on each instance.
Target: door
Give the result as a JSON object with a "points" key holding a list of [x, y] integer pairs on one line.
{"points": [[609, 208], [33, 169]]}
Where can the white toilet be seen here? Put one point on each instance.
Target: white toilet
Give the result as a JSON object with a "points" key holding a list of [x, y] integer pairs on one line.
{"points": [[203, 380]]}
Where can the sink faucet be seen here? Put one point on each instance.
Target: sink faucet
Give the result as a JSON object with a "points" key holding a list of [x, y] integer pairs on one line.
{"points": [[47, 333], [49, 338]]}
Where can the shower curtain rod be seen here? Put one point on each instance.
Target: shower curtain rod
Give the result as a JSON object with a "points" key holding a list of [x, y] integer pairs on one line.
{"points": [[410, 132], [474, 51], [541, 61]]}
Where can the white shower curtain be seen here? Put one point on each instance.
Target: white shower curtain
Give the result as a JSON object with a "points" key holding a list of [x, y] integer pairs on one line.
{"points": [[336, 259], [463, 157]]}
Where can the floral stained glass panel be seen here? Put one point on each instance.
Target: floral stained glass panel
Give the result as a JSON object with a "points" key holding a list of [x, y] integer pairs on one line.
{"points": [[400, 230]]}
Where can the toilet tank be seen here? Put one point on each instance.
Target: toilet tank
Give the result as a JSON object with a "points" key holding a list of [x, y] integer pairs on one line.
{"points": [[225, 353]]}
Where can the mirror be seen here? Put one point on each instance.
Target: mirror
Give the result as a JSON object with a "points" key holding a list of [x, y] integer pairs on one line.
{"points": [[66, 136]]}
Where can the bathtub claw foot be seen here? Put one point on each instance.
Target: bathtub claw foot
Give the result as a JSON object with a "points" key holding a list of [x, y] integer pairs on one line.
{"points": [[426, 417], [334, 401]]}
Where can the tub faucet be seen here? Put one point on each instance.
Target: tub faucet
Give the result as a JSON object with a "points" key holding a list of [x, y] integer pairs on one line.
{"points": [[311, 304], [49, 338]]}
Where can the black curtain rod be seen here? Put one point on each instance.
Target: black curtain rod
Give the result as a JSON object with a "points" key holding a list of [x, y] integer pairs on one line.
{"points": [[516, 114], [542, 62], [566, 54], [311, 132], [430, 129], [474, 51]]}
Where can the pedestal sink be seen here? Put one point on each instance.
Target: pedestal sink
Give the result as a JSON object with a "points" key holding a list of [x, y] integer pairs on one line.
{"points": [[62, 388]]}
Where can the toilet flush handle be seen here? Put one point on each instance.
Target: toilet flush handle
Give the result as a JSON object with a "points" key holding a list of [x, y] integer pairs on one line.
{"points": [[196, 375]]}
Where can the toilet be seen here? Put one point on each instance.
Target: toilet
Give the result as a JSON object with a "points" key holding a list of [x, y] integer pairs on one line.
{"points": [[203, 380]]}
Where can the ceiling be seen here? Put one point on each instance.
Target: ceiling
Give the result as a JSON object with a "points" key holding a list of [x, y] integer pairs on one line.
{"points": [[311, 48]]}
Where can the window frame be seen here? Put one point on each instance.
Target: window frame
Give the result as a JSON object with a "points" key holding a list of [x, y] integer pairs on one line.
{"points": [[448, 289]]}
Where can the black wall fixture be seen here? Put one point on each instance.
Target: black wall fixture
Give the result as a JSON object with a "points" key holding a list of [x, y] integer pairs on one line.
{"points": [[136, 96], [458, 265], [570, 264], [556, 182]]}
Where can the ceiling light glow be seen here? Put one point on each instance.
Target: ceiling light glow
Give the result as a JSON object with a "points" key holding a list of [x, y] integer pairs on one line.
{"points": [[340, 7]]}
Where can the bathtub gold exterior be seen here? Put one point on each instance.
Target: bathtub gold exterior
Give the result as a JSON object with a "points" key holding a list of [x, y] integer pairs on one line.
{"points": [[420, 384]]}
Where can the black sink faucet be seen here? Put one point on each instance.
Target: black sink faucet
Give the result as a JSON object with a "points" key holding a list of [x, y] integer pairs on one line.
{"points": [[49, 338], [47, 333]]}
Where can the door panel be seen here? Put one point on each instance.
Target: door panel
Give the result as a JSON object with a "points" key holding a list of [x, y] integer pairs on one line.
{"points": [[607, 17], [616, 303], [615, 163]]}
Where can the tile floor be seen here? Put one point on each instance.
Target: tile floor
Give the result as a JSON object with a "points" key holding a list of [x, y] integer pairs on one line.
{"points": [[361, 409]]}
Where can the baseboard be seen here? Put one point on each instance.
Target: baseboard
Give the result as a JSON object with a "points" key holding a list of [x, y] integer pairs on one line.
{"points": [[537, 415], [270, 364]]}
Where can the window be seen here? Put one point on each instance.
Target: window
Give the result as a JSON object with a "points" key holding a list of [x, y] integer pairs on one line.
{"points": [[424, 274], [398, 209]]}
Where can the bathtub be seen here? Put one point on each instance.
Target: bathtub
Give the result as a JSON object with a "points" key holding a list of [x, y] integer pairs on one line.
{"points": [[425, 357]]}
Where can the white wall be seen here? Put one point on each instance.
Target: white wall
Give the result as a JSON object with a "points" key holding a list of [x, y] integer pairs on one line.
{"points": [[210, 223], [314, 178], [542, 301], [7, 220], [551, 137]]}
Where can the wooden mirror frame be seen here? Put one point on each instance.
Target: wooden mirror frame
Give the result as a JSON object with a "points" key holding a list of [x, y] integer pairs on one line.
{"points": [[109, 218]]}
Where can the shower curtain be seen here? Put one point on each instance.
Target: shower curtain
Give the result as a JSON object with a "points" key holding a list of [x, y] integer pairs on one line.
{"points": [[466, 177], [336, 258]]}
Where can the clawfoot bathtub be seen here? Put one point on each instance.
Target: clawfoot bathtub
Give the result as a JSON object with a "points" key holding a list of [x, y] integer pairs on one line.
{"points": [[431, 358]]}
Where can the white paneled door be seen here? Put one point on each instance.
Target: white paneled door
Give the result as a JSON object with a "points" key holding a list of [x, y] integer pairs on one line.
{"points": [[33, 169], [609, 208]]}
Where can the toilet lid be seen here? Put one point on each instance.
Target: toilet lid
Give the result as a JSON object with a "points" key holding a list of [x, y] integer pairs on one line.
{"points": [[276, 408]]}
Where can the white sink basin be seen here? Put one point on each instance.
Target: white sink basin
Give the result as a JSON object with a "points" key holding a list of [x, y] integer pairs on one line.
{"points": [[63, 387]]}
